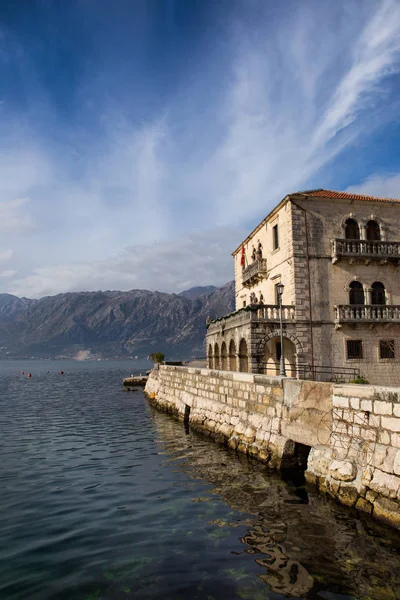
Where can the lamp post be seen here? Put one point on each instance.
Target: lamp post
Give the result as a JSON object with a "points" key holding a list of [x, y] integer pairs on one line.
{"points": [[280, 287]]}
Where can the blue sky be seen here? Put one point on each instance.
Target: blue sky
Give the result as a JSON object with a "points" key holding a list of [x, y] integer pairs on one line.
{"points": [[141, 141]]}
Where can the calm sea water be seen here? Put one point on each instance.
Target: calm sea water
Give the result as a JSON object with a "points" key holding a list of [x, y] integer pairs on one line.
{"points": [[101, 497]]}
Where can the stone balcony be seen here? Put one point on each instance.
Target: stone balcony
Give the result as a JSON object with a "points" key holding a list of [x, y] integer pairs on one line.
{"points": [[261, 313], [367, 313], [365, 250], [255, 272]]}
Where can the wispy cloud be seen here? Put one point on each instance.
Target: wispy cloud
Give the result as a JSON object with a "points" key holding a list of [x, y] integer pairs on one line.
{"points": [[6, 254], [260, 119]]}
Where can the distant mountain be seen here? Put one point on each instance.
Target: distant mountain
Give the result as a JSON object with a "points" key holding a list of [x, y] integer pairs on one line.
{"points": [[195, 292], [111, 323]]}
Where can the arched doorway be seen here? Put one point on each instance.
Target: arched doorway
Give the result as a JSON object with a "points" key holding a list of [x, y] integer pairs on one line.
{"points": [[356, 293], [271, 356], [232, 356], [216, 356], [224, 357], [243, 357], [210, 360], [351, 230], [378, 295], [373, 231]]}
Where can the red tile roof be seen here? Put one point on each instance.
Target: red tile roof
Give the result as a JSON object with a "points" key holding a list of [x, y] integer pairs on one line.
{"points": [[320, 193]]}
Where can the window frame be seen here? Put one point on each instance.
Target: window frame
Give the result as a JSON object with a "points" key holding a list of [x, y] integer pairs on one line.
{"points": [[348, 343], [391, 344], [275, 237]]}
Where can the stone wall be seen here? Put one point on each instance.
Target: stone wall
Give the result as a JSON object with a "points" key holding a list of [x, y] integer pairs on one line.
{"points": [[352, 431]]}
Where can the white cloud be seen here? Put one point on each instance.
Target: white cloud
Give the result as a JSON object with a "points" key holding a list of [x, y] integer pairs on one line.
{"points": [[15, 216], [6, 254], [199, 259], [385, 185], [240, 135], [9, 273]]}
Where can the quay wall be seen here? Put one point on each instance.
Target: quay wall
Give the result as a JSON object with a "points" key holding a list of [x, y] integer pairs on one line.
{"points": [[347, 436]]}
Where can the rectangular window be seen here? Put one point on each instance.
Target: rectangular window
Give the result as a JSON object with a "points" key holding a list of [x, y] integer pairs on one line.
{"points": [[275, 236], [278, 351], [386, 349], [354, 349], [244, 303], [276, 294]]}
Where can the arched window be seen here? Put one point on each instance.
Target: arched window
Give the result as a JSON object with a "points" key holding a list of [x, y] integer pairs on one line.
{"points": [[210, 357], [224, 357], [243, 357], [373, 231], [356, 293], [216, 357], [232, 356], [378, 295], [351, 230]]}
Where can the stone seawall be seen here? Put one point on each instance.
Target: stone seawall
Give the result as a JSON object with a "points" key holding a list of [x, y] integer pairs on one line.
{"points": [[347, 435]]}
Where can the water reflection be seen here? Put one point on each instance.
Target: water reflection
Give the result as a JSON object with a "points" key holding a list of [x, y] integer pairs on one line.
{"points": [[307, 545]]}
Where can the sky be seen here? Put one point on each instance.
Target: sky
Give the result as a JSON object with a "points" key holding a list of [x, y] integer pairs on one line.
{"points": [[141, 141]]}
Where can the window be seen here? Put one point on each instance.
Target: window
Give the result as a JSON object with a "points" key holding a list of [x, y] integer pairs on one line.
{"points": [[354, 349], [373, 231], [378, 295], [244, 303], [278, 351], [386, 349], [275, 236], [356, 295], [351, 230]]}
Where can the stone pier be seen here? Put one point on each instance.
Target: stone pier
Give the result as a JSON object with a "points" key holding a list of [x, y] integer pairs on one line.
{"points": [[347, 436]]}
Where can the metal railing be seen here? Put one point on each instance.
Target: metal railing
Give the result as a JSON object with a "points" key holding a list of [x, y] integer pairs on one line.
{"points": [[256, 271], [373, 249], [372, 313]]}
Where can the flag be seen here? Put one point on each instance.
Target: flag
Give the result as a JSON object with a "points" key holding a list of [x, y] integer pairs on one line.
{"points": [[242, 258]]}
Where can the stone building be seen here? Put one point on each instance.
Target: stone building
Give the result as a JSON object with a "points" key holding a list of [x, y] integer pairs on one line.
{"points": [[337, 255]]}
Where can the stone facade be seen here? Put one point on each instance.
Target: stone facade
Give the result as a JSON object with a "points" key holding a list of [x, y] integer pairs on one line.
{"points": [[348, 436], [337, 256]]}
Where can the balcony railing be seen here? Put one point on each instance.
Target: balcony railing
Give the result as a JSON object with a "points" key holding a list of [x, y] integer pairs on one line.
{"points": [[367, 313], [262, 313], [256, 271], [365, 249]]}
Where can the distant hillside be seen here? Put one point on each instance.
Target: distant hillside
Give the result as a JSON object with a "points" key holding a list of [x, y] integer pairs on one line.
{"points": [[111, 323]]}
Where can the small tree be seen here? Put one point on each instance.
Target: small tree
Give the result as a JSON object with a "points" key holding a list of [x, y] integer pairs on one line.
{"points": [[157, 357]]}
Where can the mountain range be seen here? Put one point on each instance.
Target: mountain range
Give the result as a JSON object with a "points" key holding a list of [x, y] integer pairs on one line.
{"points": [[111, 323]]}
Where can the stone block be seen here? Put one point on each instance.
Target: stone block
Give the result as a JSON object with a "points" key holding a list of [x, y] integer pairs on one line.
{"points": [[355, 403], [342, 470], [396, 410], [340, 401], [383, 408], [348, 495], [366, 405], [391, 423], [396, 463], [384, 483], [384, 437], [395, 440], [364, 505], [388, 511]]}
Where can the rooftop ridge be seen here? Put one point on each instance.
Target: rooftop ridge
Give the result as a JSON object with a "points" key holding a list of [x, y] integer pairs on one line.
{"points": [[323, 193]]}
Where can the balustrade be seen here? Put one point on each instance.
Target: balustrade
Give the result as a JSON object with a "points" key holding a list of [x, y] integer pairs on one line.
{"points": [[372, 313], [256, 271], [365, 249]]}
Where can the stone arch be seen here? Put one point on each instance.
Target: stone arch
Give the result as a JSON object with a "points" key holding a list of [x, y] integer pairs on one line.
{"points": [[351, 229], [356, 293], [269, 353], [210, 357], [224, 357], [243, 356], [378, 221], [378, 293], [216, 356], [232, 356]]}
